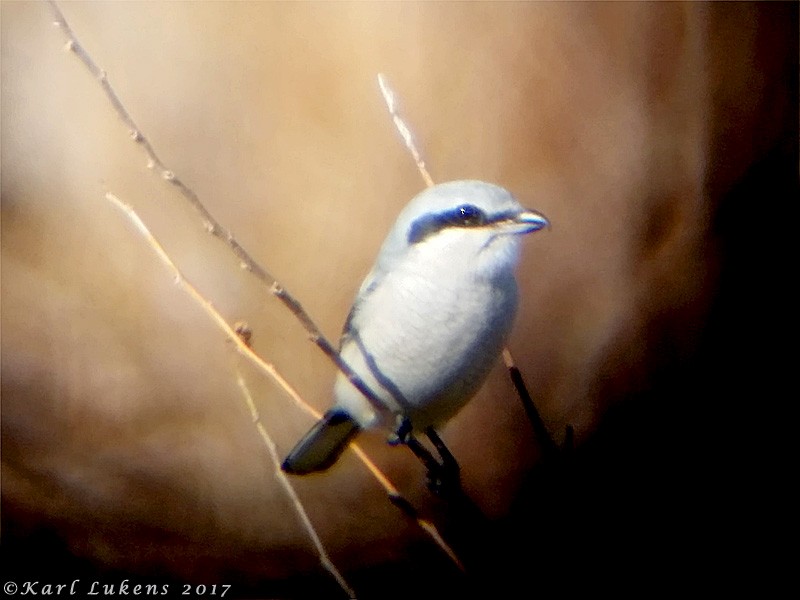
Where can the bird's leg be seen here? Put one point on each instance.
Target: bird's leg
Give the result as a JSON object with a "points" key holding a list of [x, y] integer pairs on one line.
{"points": [[422, 453], [448, 460], [403, 435], [441, 476], [449, 473]]}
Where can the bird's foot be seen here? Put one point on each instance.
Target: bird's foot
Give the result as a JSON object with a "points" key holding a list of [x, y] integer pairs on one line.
{"points": [[443, 476], [446, 476], [449, 461], [403, 432]]}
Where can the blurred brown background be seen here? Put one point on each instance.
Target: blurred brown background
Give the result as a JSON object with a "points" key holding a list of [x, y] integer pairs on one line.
{"points": [[660, 140]]}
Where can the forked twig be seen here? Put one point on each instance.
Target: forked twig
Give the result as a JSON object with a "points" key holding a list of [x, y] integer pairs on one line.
{"points": [[248, 263], [243, 347]]}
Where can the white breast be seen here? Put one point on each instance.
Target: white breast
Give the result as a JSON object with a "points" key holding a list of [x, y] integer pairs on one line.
{"points": [[425, 339]]}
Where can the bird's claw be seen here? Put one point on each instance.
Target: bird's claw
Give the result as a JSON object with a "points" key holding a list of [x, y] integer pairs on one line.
{"points": [[402, 433], [442, 478]]}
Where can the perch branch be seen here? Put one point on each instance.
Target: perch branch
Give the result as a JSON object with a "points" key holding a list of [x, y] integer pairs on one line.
{"points": [[243, 347], [247, 263]]}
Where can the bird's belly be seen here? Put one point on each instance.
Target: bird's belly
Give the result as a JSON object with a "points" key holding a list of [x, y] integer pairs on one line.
{"points": [[426, 347]]}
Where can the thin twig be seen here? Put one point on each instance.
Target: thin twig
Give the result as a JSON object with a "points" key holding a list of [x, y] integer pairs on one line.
{"points": [[246, 261], [324, 558], [549, 447], [209, 309], [243, 347], [398, 500], [405, 131]]}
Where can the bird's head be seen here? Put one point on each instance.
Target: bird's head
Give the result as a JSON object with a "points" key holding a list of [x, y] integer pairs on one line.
{"points": [[462, 223]]}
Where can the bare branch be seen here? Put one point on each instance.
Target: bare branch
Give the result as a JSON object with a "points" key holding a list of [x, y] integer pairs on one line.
{"points": [[74, 46], [250, 264], [210, 223], [549, 447], [209, 309], [324, 558], [240, 337], [405, 131], [396, 498]]}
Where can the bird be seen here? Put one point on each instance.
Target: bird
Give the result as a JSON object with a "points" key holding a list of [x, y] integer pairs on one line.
{"points": [[429, 320]]}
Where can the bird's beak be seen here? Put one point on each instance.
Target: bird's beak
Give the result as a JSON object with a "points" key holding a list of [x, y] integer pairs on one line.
{"points": [[529, 221]]}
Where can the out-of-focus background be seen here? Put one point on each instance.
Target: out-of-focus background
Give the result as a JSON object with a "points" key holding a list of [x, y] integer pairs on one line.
{"points": [[660, 140]]}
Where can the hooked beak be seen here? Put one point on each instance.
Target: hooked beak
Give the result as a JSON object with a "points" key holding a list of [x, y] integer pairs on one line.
{"points": [[529, 221]]}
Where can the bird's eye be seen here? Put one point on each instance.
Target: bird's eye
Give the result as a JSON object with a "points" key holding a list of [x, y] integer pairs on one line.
{"points": [[468, 215]]}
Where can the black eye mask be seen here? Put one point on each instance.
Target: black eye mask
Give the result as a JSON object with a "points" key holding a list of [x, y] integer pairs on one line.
{"points": [[466, 215]]}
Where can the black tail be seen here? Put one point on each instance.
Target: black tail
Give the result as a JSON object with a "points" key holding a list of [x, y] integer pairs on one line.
{"points": [[322, 446]]}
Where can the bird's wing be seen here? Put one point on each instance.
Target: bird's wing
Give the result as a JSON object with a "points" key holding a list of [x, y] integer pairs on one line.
{"points": [[369, 285]]}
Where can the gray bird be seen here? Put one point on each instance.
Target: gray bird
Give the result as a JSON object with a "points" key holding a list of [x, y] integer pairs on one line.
{"points": [[430, 319]]}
